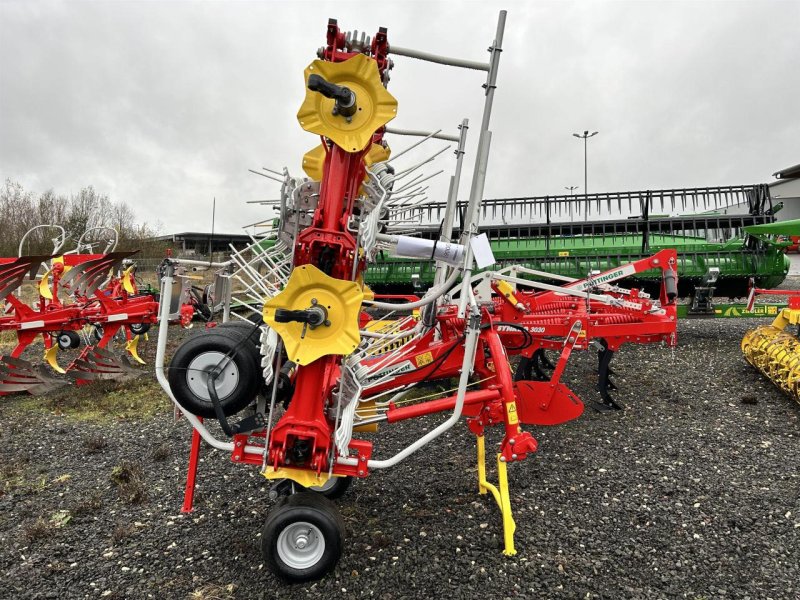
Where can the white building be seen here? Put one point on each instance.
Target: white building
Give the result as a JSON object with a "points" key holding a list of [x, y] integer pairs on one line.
{"points": [[787, 190]]}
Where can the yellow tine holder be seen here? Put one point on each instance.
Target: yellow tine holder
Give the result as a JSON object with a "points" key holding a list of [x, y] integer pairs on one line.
{"points": [[501, 496]]}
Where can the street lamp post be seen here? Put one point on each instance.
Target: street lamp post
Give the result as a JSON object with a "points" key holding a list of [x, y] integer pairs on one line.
{"points": [[586, 135], [571, 189]]}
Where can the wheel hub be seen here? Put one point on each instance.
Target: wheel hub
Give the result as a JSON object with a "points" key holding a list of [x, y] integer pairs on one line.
{"points": [[301, 545], [199, 369]]}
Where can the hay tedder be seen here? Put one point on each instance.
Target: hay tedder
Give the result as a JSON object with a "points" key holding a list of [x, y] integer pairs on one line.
{"points": [[323, 368], [81, 298]]}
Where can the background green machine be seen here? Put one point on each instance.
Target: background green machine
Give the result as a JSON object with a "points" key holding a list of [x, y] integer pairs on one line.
{"points": [[725, 236]]}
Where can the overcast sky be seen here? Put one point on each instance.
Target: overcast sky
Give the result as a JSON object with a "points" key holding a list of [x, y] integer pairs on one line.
{"points": [[165, 105]]}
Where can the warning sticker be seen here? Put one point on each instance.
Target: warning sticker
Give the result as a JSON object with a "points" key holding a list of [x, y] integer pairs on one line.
{"points": [[423, 359], [511, 411]]}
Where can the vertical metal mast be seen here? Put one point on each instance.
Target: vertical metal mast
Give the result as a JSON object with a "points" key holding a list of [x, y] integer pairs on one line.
{"points": [[481, 163]]}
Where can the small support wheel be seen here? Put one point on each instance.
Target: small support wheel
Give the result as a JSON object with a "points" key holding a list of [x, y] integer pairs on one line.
{"points": [[236, 385], [139, 328], [303, 537], [334, 488], [67, 340]]}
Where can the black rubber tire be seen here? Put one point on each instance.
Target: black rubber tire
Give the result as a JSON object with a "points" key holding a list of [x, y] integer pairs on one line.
{"points": [[245, 328], [304, 507], [338, 488], [245, 360], [139, 328], [68, 340]]}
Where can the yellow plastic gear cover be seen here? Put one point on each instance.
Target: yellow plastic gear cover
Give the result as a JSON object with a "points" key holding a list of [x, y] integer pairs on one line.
{"points": [[314, 160], [342, 301], [376, 154], [376, 106]]}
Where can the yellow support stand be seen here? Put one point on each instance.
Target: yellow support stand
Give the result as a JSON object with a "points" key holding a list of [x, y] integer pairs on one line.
{"points": [[501, 495]]}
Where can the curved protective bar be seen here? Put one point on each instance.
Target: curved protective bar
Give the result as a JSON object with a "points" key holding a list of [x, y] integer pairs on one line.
{"points": [[58, 242], [163, 327], [111, 245]]}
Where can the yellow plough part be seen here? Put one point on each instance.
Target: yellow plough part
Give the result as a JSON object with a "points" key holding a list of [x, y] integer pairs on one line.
{"points": [[44, 287], [304, 477], [132, 346], [775, 352], [50, 357], [127, 280]]}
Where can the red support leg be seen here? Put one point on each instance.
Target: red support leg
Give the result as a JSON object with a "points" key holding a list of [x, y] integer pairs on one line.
{"points": [[191, 474]]}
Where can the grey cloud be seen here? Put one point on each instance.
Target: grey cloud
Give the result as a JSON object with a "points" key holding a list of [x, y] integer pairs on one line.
{"points": [[167, 105]]}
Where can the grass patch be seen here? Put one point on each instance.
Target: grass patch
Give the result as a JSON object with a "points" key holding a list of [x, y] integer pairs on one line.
{"points": [[36, 530], [122, 531], [161, 452], [88, 505], [16, 477], [95, 444], [129, 479], [101, 401], [212, 591]]}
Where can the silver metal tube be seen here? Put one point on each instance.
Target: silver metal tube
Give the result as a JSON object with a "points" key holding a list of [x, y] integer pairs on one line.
{"points": [[473, 215], [482, 159], [452, 200], [414, 145], [425, 134], [201, 263], [442, 60], [226, 303], [432, 295], [470, 345]]}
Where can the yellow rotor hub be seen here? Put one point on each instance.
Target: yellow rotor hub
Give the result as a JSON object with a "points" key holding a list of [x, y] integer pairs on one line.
{"points": [[341, 301], [376, 106]]}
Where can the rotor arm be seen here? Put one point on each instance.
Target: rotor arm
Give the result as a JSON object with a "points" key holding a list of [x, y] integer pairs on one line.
{"points": [[344, 97], [313, 316]]}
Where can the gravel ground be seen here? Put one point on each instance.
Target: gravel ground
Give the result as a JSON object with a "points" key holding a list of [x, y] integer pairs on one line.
{"points": [[692, 492]]}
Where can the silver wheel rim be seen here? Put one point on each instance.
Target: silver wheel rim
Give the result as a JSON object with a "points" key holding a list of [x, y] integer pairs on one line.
{"points": [[328, 485], [64, 341], [199, 368], [301, 545]]}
